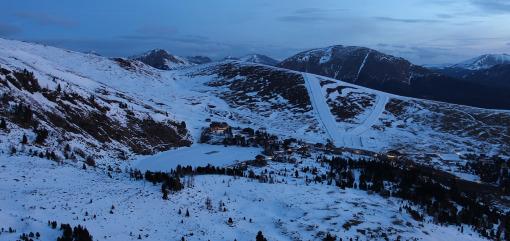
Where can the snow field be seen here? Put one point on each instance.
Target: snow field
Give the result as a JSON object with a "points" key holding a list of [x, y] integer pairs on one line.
{"points": [[38, 190]]}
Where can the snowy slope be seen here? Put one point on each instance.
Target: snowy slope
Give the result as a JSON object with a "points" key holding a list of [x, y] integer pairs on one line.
{"points": [[277, 100], [71, 97], [284, 103], [38, 190]]}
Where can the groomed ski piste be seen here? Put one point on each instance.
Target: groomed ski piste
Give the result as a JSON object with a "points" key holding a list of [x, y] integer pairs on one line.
{"points": [[343, 136]]}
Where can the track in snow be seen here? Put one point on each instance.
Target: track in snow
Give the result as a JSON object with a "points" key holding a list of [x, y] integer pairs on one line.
{"points": [[349, 137]]}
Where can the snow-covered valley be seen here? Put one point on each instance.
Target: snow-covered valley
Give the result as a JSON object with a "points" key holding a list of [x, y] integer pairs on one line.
{"points": [[77, 126]]}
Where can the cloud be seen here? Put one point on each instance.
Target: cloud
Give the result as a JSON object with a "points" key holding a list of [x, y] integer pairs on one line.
{"points": [[310, 15], [155, 30], [408, 20], [445, 16], [493, 6], [7, 29], [44, 19]]}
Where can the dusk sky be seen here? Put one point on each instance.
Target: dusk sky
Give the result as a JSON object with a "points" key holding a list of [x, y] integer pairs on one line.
{"points": [[424, 31]]}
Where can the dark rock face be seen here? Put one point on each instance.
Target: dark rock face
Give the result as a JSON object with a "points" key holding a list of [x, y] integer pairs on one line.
{"points": [[373, 69], [161, 59], [199, 59]]}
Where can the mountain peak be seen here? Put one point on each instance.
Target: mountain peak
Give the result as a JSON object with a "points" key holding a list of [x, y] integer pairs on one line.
{"points": [[259, 59], [161, 59], [483, 61], [354, 64]]}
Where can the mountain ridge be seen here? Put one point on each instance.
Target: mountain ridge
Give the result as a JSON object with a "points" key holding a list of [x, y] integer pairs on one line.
{"points": [[376, 70]]}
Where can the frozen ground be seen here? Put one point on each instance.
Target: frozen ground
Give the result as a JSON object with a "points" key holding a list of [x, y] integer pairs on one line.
{"points": [[196, 155]]}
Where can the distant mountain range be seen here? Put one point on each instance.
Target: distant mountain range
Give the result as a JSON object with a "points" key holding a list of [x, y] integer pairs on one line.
{"points": [[373, 69], [481, 82], [259, 59], [485, 61], [161, 59], [489, 70]]}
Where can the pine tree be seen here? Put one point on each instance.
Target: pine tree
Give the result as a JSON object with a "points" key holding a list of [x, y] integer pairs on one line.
{"points": [[208, 203], [260, 237], [165, 194], [3, 125], [187, 213], [329, 237], [24, 140]]}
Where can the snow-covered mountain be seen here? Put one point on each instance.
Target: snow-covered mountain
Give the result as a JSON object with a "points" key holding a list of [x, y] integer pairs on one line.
{"points": [[115, 109], [249, 95], [491, 70], [483, 62], [259, 59], [63, 103], [376, 70], [161, 59], [353, 64]]}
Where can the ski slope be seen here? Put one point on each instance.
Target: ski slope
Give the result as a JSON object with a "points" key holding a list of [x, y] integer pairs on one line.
{"points": [[344, 137], [320, 106]]}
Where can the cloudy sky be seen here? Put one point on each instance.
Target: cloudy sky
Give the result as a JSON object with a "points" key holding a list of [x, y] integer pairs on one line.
{"points": [[424, 31]]}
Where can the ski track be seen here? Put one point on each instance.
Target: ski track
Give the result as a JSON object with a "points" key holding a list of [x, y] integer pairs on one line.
{"points": [[322, 108], [349, 137]]}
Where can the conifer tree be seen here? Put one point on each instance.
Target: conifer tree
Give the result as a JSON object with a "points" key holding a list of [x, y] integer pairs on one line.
{"points": [[3, 125], [260, 237], [24, 140]]}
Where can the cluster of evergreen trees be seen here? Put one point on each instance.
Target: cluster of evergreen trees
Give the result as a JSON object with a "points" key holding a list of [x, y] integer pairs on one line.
{"points": [[24, 80], [29, 236], [171, 181], [77, 233], [438, 196], [492, 170]]}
